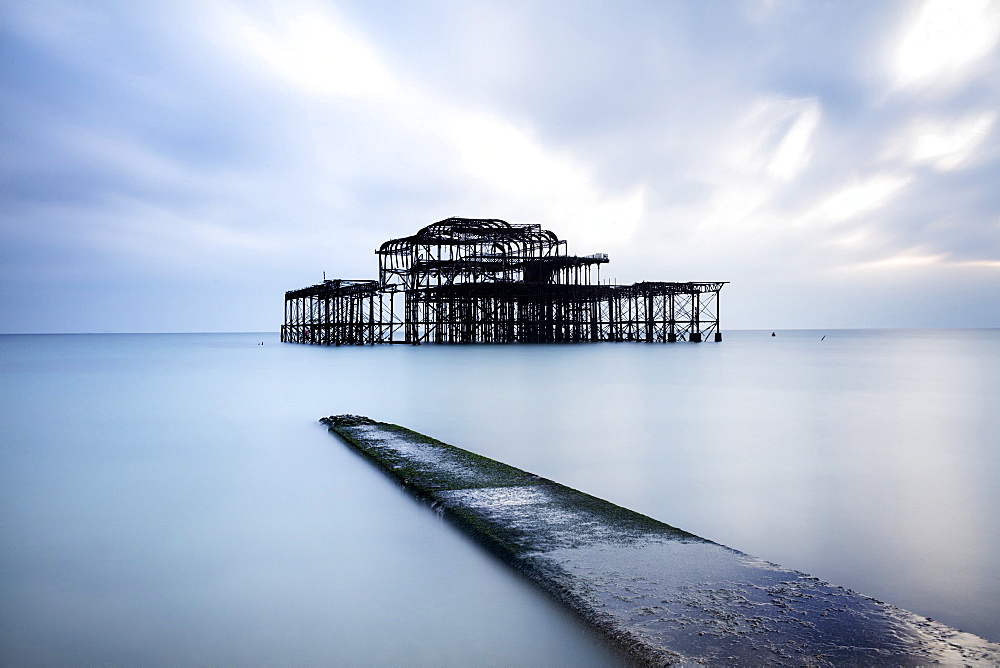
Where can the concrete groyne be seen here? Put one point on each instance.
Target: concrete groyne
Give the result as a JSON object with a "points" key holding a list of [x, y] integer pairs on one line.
{"points": [[662, 595]]}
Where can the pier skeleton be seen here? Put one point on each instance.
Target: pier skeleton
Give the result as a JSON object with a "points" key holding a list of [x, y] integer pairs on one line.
{"points": [[464, 280]]}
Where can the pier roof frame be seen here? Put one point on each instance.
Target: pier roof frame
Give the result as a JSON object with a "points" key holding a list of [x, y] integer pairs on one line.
{"points": [[472, 231]]}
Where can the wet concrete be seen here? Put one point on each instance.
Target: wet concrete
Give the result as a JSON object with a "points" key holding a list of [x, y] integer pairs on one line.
{"points": [[661, 595]]}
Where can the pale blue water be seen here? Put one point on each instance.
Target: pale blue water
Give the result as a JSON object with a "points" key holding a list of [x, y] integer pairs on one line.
{"points": [[170, 499]]}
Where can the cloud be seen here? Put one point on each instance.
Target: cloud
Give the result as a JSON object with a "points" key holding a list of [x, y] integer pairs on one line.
{"points": [[691, 140], [507, 164], [775, 136], [944, 41], [307, 45], [944, 144], [858, 198], [903, 260]]}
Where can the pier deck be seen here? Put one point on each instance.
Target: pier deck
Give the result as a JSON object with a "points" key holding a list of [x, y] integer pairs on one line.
{"points": [[663, 596]]}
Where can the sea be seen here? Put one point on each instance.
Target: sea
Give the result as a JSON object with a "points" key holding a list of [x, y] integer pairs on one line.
{"points": [[170, 499]]}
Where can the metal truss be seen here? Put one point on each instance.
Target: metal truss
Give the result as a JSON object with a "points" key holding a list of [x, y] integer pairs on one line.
{"points": [[489, 281]]}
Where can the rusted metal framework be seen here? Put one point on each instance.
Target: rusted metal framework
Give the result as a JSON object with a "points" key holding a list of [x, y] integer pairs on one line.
{"points": [[466, 280]]}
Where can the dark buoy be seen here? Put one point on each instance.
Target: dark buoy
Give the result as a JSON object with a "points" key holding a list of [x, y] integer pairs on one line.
{"points": [[772, 333]]}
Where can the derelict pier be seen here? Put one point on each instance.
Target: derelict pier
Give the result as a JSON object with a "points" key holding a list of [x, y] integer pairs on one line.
{"points": [[466, 280]]}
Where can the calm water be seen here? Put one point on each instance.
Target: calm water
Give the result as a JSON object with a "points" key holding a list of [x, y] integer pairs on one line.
{"points": [[170, 499]]}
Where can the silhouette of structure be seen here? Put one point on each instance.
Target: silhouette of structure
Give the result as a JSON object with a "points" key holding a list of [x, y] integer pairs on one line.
{"points": [[466, 280]]}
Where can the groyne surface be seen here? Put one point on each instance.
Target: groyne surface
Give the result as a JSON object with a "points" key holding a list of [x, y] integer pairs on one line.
{"points": [[662, 595]]}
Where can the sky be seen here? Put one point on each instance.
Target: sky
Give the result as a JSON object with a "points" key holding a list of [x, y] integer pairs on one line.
{"points": [[177, 166]]}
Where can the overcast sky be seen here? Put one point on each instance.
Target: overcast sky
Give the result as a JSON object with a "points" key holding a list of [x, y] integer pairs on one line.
{"points": [[176, 166]]}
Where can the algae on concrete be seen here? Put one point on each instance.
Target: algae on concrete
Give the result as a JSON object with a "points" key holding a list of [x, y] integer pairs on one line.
{"points": [[662, 595]]}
